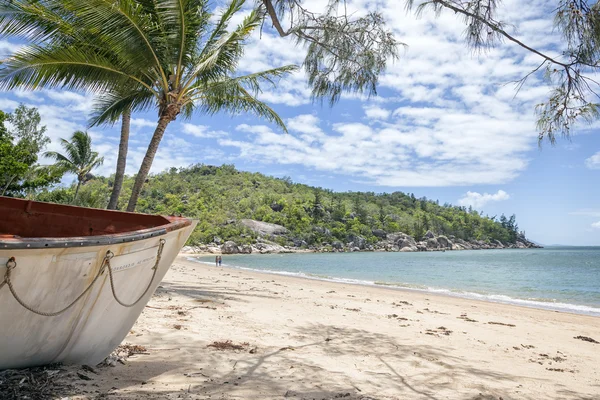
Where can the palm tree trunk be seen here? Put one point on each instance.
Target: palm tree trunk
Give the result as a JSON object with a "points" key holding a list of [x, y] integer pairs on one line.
{"points": [[76, 190], [121, 160], [140, 179], [7, 185]]}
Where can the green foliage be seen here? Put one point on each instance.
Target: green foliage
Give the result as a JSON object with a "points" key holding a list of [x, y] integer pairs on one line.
{"points": [[19, 172], [218, 196], [79, 158]]}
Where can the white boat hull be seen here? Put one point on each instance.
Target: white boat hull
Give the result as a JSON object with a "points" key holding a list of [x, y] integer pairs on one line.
{"points": [[47, 280]]}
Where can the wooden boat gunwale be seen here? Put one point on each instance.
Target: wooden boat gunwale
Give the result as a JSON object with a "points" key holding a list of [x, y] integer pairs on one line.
{"points": [[162, 225]]}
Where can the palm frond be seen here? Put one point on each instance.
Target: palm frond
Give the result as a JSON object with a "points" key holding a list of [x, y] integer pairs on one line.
{"points": [[220, 28], [222, 57], [35, 21], [109, 107], [235, 99], [63, 66]]}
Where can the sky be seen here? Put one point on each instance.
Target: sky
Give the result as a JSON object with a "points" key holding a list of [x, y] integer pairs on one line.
{"points": [[446, 124]]}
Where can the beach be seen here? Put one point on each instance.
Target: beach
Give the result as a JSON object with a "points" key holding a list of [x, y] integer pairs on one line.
{"points": [[224, 333]]}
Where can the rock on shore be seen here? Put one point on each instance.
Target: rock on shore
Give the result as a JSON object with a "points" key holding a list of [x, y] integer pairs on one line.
{"points": [[393, 242]]}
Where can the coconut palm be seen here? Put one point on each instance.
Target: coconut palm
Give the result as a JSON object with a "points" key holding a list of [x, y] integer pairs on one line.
{"points": [[78, 158], [138, 55], [121, 160], [58, 25]]}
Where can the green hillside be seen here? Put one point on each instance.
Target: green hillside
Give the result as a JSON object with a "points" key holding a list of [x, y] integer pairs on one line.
{"points": [[219, 196]]}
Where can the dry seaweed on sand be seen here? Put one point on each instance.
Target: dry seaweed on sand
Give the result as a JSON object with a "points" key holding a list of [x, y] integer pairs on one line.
{"points": [[465, 318], [39, 383], [501, 323], [228, 345], [586, 339]]}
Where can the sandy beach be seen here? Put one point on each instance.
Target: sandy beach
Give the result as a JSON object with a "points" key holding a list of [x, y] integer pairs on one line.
{"points": [[221, 333]]}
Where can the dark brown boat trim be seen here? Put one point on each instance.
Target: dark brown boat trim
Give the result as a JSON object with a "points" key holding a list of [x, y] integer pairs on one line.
{"points": [[162, 225]]}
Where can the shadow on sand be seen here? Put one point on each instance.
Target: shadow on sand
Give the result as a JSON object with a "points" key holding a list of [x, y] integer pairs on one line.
{"points": [[313, 369]]}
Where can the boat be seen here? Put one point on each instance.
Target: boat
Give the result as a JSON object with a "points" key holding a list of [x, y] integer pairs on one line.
{"points": [[74, 280]]}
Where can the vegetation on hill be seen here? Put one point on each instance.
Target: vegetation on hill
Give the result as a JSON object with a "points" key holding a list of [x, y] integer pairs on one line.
{"points": [[218, 196]]}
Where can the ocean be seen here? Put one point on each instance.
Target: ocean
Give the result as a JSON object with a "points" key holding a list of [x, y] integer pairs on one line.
{"points": [[555, 278]]}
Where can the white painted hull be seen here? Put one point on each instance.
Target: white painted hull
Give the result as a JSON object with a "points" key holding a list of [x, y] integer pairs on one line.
{"points": [[50, 279]]}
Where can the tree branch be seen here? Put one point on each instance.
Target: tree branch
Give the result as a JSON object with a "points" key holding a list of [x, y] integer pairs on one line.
{"points": [[494, 26]]}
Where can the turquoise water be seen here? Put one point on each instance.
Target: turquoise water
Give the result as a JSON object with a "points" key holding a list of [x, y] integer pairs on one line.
{"points": [[558, 278]]}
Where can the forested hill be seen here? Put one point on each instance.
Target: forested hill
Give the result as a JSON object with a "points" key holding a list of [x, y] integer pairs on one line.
{"points": [[222, 196]]}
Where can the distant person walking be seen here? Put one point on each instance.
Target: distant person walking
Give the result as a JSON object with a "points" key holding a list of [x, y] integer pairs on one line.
{"points": [[220, 260], [216, 261]]}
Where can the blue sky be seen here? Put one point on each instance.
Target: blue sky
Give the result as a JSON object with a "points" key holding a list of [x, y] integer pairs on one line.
{"points": [[446, 125]]}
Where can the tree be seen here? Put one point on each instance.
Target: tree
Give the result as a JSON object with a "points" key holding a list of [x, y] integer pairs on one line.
{"points": [[121, 160], [143, 56], [19, 155], [78, 159], [574, 96], [344, 52], [317, 209], [14, 160]]}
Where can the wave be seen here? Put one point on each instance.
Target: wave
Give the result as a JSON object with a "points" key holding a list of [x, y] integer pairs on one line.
{"points": [[539, 303]]}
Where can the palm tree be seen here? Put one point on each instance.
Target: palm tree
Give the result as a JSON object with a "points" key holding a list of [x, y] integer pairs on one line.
{"points": [[139, 55], [78, 159], [121, 160]]}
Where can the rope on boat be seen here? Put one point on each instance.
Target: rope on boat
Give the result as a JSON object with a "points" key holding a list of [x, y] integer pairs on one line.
{"points": [[155, 268], [12, 264]]}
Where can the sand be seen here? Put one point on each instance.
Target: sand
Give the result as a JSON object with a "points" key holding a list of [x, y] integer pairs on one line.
{"points": [[305, 339]]}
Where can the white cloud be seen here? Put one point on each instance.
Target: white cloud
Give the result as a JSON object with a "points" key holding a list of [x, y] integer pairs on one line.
{"points": [[7, 48], [596, 225], [450, 148], [374, 112], [201, 131], [448, 117], [593, 162], [587, 212], [478, 200], [75, 101], [143, 123]]}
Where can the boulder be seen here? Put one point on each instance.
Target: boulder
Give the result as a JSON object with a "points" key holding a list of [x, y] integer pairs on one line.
{"points": [[407, 241], [263, 228], [337, 245], [444, 242], [409, 249], [245, 249], [432, 244], [393, 237], [276, 207], [429, 235], [230, 247], [322, 231], [380, 233], [188, 249], [355, 249], [213, 249], [300, 243], [267, 248], [357, 241]]}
